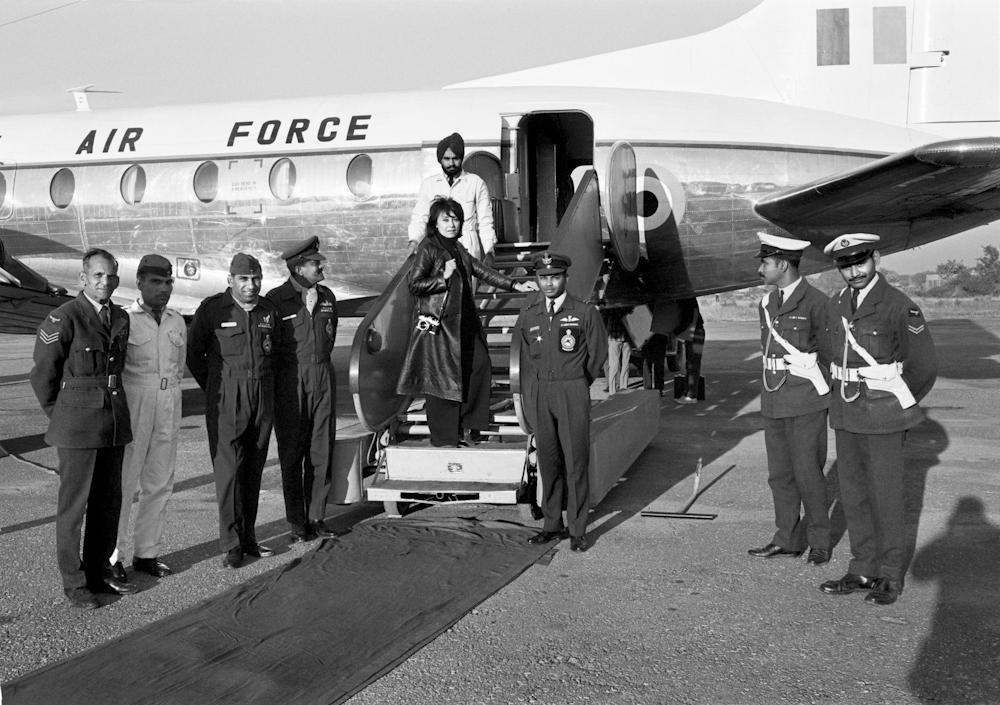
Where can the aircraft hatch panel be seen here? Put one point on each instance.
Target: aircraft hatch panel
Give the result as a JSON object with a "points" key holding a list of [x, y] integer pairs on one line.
{"points": [[579, 236], [378, 352], [620, 205]]}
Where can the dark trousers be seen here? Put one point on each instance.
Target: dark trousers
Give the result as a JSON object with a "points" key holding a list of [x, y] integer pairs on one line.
{"points": [[306, 429], [238, 419], [796, 455], [446, 418], [871, 487], [90, 485], [562, 436], [653, 353]]}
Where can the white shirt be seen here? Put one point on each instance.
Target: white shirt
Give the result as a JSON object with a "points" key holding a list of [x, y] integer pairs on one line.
{"points": [[471, 193], [552, 306], [787, 291], [98, 306], [864, 292]]}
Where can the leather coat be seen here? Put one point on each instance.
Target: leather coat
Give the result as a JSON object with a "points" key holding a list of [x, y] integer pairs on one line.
{"points": [[433, 364]]}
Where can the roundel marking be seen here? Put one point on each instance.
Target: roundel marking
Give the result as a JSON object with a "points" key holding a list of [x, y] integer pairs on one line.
{"points": [[659, 194]]}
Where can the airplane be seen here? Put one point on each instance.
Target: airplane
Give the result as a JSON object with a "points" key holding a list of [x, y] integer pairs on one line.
{"points": [[805, 119]]}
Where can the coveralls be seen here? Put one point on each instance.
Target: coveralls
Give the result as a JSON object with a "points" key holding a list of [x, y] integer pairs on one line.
{"points": [[230, 355], [306, 394], [154, 368]]}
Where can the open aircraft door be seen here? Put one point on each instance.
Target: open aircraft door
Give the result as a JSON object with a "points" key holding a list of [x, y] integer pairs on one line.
{"points": [[620, 204], [8, 174]]}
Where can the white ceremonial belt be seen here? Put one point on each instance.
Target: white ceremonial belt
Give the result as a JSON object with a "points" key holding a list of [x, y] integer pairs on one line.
{"points": [[775, 364], [850, 374]]}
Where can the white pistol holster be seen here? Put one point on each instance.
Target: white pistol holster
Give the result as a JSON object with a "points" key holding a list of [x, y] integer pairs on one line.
{"points": [[883, 377], [797, 363]]}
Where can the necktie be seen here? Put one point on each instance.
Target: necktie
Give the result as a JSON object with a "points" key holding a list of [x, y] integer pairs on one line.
{"points": [[311, 297], [781, 298], [854, 300], [106, 317]]}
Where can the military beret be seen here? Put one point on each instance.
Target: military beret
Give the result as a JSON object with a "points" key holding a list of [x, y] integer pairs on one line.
{"points": [[550, 263], [307, 249], [851, 249], [244, 264], [155, 264], [775, 245]]}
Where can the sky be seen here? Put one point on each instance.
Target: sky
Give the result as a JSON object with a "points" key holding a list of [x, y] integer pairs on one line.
{"points": [[166, 52]]}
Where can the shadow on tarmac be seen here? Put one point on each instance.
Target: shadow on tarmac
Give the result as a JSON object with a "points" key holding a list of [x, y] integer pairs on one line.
{"points": [[958, 661]]}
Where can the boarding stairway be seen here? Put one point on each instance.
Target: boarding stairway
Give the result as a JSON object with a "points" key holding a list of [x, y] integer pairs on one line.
{"points": [[501, 468]]}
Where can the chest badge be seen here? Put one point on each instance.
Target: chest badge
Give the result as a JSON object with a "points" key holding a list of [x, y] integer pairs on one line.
{"points": [[329, 329], [267, 344], [567, 341]]}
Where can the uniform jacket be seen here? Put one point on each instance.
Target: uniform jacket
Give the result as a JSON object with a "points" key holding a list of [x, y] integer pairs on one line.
{"points": [[156, 351], [433, 363], [77, 376], [572, 345], [305, 338], [470, 192], [891, 328], [227, 342], [802, 320]]}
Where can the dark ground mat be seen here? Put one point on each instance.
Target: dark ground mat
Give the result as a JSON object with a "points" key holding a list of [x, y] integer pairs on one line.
{"points": [[315, 631]]}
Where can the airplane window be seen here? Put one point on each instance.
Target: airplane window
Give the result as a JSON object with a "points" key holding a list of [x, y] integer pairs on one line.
{"points": [[206, 182], [134, 185], [359, 176], [283, 179], [62, 187]]}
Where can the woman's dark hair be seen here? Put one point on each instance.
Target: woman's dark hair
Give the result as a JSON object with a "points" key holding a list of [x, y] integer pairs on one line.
{"points": [[444, 205]]}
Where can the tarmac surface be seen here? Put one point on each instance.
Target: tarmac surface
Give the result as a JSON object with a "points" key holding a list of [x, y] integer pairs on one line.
{"points": [[657, 611]]}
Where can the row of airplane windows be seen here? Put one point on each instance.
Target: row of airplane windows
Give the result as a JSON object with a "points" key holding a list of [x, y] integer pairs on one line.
{"points": [[205, 183]]}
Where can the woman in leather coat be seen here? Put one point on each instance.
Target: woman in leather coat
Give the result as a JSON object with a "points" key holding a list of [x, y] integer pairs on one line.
{"points": [[447, 360]]}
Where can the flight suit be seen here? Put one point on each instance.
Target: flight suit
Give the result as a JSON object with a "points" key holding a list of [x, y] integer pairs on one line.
{"points": [[567, 352], [230, 354], [871, 425], [306, 394], [77, 379], [154, 369], [795, 418]]}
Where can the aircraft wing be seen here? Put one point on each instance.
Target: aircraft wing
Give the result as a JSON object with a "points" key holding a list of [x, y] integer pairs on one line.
{"points": [[25, 296], [955, 180]]}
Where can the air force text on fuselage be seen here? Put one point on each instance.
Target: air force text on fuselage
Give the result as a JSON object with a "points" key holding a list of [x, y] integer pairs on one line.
{"points": [[294, 131]]}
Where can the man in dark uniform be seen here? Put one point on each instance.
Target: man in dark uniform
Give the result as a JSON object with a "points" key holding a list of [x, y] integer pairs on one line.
{"points": [[231, 349], [567, 345], [794, 401], [305, 390], [884, 363], [79, 356]]}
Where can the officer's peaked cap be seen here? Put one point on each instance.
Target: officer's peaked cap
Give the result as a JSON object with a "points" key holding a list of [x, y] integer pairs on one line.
{"points": [[307, 249], [852, 249], [550, 263], [777, 246]]}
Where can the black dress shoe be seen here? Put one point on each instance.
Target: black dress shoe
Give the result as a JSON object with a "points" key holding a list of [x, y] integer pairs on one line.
{"points": [[82, 598], [258, 551], [578, 544], [233, 558], [884, 592], [546, 536], [848, 584], [110, 584], [818, 556], [773, 550], [153, 566], [301, 535], [118, 571], [322, 530]]}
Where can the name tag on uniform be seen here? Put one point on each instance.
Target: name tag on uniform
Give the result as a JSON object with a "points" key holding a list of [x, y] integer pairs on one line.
{"points": [[229, 324], [288, 318]]}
